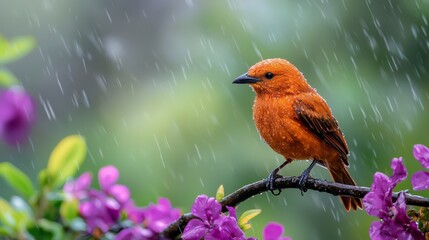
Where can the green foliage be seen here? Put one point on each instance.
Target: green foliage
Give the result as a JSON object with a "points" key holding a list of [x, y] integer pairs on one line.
{"points": [[6, 215], [16, 179], [52, 227], [16, 216], [248, 215], [65, 160], [21, 205], [15, 49], [422, 218], [36, 215], [13, 221], [220, 193], [7, 78], [243, 221], [11, 51], [69, 210]]}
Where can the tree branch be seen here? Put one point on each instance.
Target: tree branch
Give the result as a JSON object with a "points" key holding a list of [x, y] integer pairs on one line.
{"points": [[259, 187]]}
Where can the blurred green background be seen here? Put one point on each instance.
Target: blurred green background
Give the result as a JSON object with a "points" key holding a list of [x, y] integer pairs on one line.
{"points": [[148, 84]]}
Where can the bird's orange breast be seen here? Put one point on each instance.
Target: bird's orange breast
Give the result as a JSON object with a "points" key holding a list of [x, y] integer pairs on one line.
{"points": [[279, 125]]}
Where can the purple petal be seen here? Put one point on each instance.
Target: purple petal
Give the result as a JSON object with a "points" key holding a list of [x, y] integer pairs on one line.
{"points": [[379, 200], [134, 233], [401, 209], [17, 115], [415, 232], [226, 228], [107, 177], [194, 230], [375, 232], [402, 227], [80, 186], [97, 223], [232, 212], [85, 209], [83, 182], [399, 171], [272, 231], [163, 205], [421, 153], [99, 211], [113, 209], [206, 208], [159, 216], [135, 214], [420, 180], [120, 193], [125, 234], [395, 230]]}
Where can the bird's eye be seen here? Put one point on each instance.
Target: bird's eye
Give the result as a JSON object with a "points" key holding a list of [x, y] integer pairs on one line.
{"points": [[269, 75]]}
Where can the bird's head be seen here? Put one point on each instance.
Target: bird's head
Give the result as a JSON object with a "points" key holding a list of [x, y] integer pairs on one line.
{"points": [[275, 77]]}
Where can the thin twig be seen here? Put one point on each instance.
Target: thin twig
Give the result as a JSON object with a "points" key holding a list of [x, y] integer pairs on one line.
{"points": [[253, 189]]}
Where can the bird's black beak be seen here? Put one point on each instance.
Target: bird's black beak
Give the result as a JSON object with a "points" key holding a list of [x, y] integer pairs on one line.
{"points": [[246, 79]]}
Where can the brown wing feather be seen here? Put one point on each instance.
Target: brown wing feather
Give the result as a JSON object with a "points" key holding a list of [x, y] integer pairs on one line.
{"points": [[322, 124]]}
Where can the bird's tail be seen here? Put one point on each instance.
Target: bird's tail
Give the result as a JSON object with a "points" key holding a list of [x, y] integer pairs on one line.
{"points": [[340, 175]]}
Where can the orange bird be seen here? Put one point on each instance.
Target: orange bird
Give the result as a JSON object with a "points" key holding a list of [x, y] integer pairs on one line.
{"points": [[296, 122]]}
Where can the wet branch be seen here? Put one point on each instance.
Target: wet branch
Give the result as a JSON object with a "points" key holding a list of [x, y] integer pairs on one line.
{"points": [[259, 187]]}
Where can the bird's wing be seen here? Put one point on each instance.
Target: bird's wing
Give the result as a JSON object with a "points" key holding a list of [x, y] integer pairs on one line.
{"points": [[315, 114]]}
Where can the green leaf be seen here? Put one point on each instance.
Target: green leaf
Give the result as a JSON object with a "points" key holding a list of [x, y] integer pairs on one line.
{"points": [[7, 214], [7, 78], [55, 228], [13, 220], [17, 179], [248, 215], [43, 178], [21, 205], [65, 159], [220, 193], [4, 44], [4, 231], [69, 210], [13, 50]]}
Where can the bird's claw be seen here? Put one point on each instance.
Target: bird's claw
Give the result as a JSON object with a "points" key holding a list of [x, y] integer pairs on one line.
{"points": [[301, 183], [270, 183], [304, 177]]}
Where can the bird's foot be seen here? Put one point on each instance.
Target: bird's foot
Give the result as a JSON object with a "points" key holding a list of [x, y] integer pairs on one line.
{"points": [[270, 183], [301, 183], [304, 176]]}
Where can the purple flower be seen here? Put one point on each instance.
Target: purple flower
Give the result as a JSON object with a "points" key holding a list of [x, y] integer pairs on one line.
{"points": [[398, 227], [99, 211], [79, 188], [420, 179], [134, 213], [102, 209], [107, 178], [274, 231], [399, 172], [421, 153], [207, 210], [135, 233], [159, 216], [394, 224], [156, 217], [210, 223], [17, 115], [379, 200], [226, 228]]}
